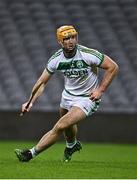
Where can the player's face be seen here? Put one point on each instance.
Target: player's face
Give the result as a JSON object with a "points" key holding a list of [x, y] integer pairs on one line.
{"points": [[69, 43]]}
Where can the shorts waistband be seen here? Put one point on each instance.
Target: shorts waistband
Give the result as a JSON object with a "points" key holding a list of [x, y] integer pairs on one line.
{"points": [[80, 95]]}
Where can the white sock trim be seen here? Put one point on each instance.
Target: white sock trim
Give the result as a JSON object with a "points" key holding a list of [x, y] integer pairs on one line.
{"points": [[70, 145], [33, 152]]}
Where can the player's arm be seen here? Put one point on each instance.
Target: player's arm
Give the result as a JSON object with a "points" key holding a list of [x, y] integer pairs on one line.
{"points": [[40, 85], [37, 90], [111, 69]]}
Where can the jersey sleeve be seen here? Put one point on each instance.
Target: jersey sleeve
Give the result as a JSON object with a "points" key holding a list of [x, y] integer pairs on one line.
{"points": [[51, 66], [94, 57]]}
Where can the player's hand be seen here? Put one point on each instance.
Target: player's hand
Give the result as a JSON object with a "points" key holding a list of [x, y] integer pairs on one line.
{"points": [[26, 108], [96, 94]]}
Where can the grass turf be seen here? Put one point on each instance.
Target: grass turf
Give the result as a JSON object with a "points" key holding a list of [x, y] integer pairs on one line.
{"points": [[95, 161]]}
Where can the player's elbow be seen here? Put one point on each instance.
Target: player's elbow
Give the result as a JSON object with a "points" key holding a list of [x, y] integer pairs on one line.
{"points": [[110, 66], [115, 68]]}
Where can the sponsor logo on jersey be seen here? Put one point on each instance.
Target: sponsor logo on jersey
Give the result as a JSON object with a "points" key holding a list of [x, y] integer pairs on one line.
{"points": [[76, 73]]}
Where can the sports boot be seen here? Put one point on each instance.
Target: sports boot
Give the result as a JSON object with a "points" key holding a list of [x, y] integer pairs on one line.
{"points": [[69, 151], [23, 155]]}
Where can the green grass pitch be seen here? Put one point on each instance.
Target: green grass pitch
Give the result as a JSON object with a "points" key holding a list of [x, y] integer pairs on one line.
{"points": [[95, 161]]}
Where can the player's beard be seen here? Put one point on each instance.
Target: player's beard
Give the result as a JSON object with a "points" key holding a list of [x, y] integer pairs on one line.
{"points": [[69, 53]]}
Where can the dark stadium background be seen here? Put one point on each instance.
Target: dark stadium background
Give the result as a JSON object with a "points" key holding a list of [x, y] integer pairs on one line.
{"points": [[27, 40]]}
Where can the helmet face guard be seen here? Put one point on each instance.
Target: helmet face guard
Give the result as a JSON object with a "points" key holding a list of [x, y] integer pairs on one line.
{"points": [[65, 32]]}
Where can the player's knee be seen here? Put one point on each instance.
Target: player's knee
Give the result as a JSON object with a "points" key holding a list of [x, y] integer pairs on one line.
{"points": [[59, 127], [62, 124]]}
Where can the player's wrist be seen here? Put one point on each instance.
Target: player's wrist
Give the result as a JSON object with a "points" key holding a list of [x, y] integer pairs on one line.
{"points": [[101, 89], [31, 104]]}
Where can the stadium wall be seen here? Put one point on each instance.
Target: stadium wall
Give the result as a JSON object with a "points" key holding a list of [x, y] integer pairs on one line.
{"points": [[101, 127]]}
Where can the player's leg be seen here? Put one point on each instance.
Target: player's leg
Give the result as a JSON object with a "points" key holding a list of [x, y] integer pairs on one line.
{"points": [[72, 117], [72, 145], [70, 132]]}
